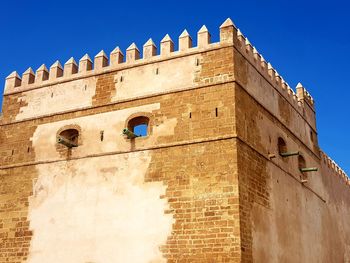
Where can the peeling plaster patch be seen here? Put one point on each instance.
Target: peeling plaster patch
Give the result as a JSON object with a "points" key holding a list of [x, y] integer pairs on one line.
{"points": [[101, 207], [139, 81], [91, 212], [57, 98]]}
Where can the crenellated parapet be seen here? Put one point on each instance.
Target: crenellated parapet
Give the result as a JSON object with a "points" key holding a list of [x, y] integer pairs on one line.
{"points": [[304, 95], [230, 35], [333, 166], [270, 73]]}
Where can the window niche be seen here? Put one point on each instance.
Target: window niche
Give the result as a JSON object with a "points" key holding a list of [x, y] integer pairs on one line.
{"points": [[68, 137], [282, 146], [301, 162], [137, 127]]}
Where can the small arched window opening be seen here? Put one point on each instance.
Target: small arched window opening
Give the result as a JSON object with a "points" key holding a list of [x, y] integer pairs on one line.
{"points": [[301, 162], [139, 126], [312, 136], [282, 146], [69, 138]]}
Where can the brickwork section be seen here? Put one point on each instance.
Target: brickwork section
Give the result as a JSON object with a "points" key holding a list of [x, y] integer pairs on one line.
{"points": [[195, 111], [202, 193], [201, 181], [210, 221], [253, 189], [104, 89], [15, 188], [11, 106], [216, 66]]}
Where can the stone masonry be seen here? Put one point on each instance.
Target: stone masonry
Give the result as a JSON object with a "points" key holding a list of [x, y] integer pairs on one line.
{"points": [[229, 170]]}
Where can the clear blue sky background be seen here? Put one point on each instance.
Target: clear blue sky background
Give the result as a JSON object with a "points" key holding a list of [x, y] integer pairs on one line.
{"points": [[306, 41]]}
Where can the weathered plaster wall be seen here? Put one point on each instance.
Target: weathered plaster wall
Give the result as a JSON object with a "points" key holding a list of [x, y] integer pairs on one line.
{"points": [[57, 98], [102, 208], [300, 222], [250, 79], [148, 79], [189, 174], [111, 123], [299, 226], [156, 78]]}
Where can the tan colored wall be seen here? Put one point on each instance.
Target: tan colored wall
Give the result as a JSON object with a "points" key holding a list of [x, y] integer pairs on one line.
{"points": [[202, 187], [102, 208], [170, 196], [276, 101], [136, 82], [283, 219]]}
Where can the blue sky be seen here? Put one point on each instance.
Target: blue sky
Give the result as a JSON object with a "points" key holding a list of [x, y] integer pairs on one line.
{"points": [[306, 41]]}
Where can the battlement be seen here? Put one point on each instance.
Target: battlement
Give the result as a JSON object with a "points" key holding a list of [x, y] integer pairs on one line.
{"points": [[102, 63], [207, 142], [229, 35], [335, 168], [269, 72]]}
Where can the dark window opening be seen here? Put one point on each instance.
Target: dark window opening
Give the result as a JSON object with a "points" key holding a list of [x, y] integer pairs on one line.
{"points": [[190, 115], [69, 138], [216, 112], [101, 135], [312, 136], [301, 162], [139, 126], [282, 146]]}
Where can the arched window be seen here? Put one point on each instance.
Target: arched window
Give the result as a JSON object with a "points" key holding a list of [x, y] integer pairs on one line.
{"points": [[282, 146], [139, 126], [69, 138]]}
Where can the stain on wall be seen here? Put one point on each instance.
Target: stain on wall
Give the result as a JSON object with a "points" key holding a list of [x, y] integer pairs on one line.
{"points": [[102, 205], [102, 208], [57, 98], [155, 78]]}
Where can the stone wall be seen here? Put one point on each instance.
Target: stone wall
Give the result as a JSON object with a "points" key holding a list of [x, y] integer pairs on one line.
{"points": [[207, 184], [285, 215], [170, 196]]}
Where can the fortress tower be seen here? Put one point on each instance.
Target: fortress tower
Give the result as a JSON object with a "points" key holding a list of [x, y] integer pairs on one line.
{"points": [[228, 170]]}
